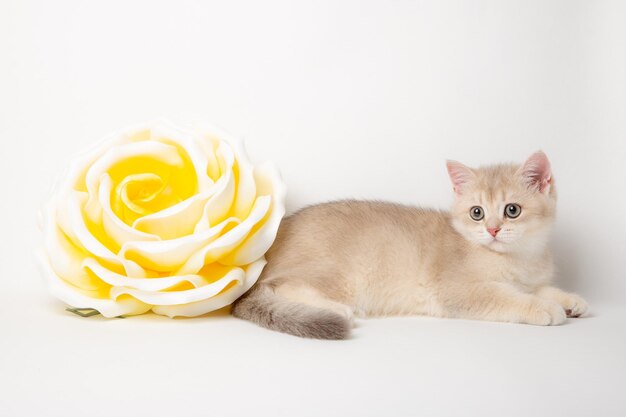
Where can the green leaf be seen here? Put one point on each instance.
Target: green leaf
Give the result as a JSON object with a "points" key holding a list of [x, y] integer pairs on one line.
{"points": [[83, 312], [87, 312]]}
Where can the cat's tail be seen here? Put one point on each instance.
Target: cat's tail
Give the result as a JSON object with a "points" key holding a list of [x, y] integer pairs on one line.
{"points": [[261, 305]]}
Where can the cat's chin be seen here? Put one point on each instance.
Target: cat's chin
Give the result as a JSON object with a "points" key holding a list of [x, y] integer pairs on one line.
{"points": [[498, 246], [515, 247]]}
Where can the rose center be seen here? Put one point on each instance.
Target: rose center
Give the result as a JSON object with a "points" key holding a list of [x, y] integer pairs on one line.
{"points": [[142, 194]]}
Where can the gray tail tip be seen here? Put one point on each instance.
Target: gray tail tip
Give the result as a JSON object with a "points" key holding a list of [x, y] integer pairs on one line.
{"points": [[326, 325], [292, 318]]}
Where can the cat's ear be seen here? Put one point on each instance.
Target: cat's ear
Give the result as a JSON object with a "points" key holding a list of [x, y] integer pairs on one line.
{"points": [[536, 172], [460, 175]]}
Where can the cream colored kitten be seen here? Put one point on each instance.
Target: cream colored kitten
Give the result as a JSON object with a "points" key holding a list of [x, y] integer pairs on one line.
{"points": [[487, 259]]}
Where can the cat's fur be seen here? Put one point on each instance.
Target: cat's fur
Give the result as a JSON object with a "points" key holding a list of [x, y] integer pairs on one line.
{"points": [[335, 260]]}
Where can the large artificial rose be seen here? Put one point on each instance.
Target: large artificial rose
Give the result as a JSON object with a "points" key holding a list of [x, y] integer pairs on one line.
{"points": [[159, 218]]}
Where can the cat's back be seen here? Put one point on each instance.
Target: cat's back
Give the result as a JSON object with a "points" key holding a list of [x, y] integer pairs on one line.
{"points": [[339, 226]]}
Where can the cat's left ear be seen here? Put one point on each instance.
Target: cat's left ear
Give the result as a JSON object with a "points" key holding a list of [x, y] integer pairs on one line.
{"points": [[537, 173]]}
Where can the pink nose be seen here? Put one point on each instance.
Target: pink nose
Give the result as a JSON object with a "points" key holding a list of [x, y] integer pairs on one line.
{"points": [[493, 231]]}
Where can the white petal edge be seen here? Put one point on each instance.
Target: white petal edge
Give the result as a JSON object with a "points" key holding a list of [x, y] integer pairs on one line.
{"points": [[168, 255], [252, 273], [182, 297], [70, 296], [144, 284], [268, 181], [167, 154], [218, 248], [72, 223], [246, 187], [188, 141]]}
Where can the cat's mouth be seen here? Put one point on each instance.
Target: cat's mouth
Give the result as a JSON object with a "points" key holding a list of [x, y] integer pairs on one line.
{"points": [[496, 242]]}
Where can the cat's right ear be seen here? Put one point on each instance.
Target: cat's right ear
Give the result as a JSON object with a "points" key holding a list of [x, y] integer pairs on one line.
{"points": [[460, 175]]}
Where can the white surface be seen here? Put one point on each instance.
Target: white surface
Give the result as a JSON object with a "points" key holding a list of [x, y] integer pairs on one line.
{"points": [[60, 365], [350, 99]]}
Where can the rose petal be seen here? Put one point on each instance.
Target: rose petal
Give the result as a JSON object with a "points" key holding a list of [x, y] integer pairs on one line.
{"points": [[75, 298], [246, 188], [65, 257], [186, 142], [116, 229], [218, 206], [71, 221], [144, 284], [210, 144], [257, 243], [169, 255], [221, 246], [161, 157], [175, 221], [252, 273], [200, 211], [181, 297], [69, 216]]}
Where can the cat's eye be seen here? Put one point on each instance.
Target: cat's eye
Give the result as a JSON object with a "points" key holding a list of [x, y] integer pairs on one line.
{"points": [[477, 213], [512, 211]]}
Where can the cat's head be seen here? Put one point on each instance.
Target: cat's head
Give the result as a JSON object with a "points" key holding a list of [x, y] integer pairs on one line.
{"points": [[506, 208]]}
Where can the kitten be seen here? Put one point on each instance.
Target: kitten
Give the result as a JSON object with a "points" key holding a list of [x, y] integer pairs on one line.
{"points": [[487, 259]]}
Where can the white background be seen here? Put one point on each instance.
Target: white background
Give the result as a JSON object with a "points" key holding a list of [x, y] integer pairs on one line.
{"points": [[351, 99]]}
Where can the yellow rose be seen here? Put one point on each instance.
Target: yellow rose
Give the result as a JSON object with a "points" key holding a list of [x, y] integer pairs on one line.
{"points": [[159, 218]]}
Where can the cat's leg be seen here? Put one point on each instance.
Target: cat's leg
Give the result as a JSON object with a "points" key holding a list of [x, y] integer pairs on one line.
{"points": [[498, 302], [301, 293], [573, 304]]}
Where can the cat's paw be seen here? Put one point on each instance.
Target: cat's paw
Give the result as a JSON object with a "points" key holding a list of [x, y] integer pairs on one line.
{"points": [[574, 305], [545, 313]]}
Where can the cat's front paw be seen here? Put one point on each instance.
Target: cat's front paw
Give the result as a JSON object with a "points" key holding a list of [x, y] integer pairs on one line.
{"points": [[545, 313], [574, 305]]}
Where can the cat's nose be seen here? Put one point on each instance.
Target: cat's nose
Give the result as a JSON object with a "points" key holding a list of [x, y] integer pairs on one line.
{"points": [[493, 231]]}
